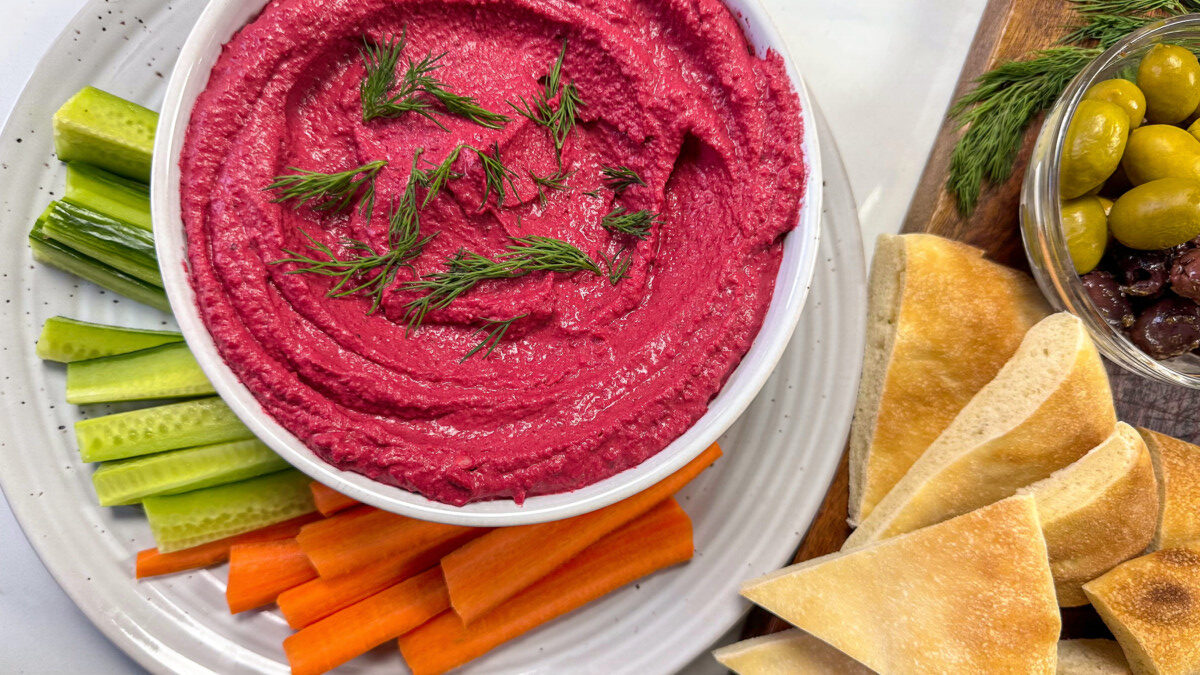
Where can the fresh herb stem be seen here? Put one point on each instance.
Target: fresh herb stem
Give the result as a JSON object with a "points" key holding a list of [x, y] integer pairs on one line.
{"points": [[435, 179], [467, 269], [559, 119], [618, 265], [496, 176], [620, 178], [329, 191], [496, 329], [366, 271], [382, 96], [556, 181], [996, 112], [636, 224]]}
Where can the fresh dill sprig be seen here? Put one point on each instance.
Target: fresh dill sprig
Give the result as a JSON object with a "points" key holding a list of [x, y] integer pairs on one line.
{"points": [[559, 120], [620, 178], [498, 328], [636, 224], [556, 181], [365, 271], [329, 191], [1106, 29], [1132, 6], [546, 254], [1005, 99], [433, 180], [383, 96], [495, 175], [618, 265], [996, 112], [467, 269]]}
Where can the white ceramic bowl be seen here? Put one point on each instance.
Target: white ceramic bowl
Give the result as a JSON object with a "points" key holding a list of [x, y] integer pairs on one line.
{"points": [[220, 20]]}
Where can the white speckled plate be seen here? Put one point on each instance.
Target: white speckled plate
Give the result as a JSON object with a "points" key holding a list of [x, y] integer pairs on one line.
{"points": [[749, 511]]}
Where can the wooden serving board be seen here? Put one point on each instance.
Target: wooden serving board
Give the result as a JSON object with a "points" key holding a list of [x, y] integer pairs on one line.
{"points": [[1009, 29]]}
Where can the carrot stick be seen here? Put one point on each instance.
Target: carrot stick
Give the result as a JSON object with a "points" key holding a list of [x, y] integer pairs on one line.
{"points": [[258, 573], [657, 539], [361, 627], [151, 563], [330, 501], [317, 599], [491, 569], [359, 537]]}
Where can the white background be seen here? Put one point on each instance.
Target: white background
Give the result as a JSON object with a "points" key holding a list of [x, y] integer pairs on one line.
{"points": [[882, 71]]}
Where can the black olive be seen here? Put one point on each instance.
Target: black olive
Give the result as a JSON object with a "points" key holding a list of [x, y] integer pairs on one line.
{"points": [[1168, 328], [1141, 273], [1185, 274], [1107, 298]]}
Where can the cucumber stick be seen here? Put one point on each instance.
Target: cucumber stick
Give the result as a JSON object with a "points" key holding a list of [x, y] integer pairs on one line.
{"points": [[169, 371], [110, 194], [167, 473], [204, 421], [113, 242], [200, 516], [100, 128], [66, 340], [52, 253]]}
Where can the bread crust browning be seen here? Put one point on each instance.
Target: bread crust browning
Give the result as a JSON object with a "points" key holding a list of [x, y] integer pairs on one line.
{"points": [[1098, 512], [1048, 406], [971, 595], [942, 321], [1152, 606]]}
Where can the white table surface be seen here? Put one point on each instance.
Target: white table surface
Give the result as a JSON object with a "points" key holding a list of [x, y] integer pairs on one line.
{"points": [[882, 71]]}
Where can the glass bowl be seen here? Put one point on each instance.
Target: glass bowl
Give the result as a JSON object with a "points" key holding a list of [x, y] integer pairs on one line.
{"points": [[1041, 224]]}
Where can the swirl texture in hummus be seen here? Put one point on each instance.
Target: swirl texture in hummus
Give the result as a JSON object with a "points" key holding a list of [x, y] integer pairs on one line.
{"points": [[594, 377]]}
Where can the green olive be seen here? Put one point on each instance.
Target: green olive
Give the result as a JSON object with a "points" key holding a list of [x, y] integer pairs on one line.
{"points": [[1194, 129], [1161, 151], [1086, 229], [1093, 148], [1169, 76], [1106, 203], [1123, 93], [1157, 215]]}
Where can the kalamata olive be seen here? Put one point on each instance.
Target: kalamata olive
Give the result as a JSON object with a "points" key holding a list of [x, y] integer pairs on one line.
{"points": [[1141, 273], [1107, 297], [1185, 274], [1168, 328]]}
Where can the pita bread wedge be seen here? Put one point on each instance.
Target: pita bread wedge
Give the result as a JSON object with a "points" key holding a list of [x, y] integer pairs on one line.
{"points": [[1091, 657], [1098, 512], [941, 322], [971, 595], [1045, 409], [792, 652], [1152, 606], [1177, 465]]}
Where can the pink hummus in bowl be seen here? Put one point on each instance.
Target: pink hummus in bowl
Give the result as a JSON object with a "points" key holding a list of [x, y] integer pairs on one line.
{"points": [[533, 381]]}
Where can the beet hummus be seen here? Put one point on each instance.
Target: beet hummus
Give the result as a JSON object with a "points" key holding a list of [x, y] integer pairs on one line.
{"points": [[595, 370]]}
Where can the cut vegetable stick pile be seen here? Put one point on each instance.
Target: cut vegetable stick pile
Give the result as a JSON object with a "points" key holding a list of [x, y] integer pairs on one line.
{"points": [[356, 577]]}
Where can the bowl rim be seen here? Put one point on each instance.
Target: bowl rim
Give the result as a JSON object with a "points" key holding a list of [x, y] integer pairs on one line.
{"points": [[220, 20], [1041, 223]]}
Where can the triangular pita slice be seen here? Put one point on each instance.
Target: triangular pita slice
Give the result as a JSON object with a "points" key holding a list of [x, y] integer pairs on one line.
{"points": [[1091, 657], [1046, 408], [941, 321], [1098, 512], [971, 595], [1152, 606], [1177, 465], [791, 652]]}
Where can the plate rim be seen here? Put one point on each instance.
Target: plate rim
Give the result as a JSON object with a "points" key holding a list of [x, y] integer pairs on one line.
{"points": [[151, 655]]}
